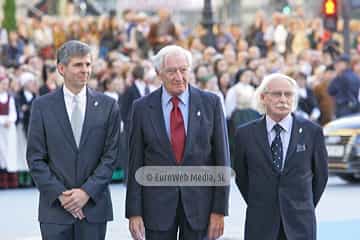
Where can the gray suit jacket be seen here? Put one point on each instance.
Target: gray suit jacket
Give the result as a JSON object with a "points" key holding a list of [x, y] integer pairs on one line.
{"points": [[56, 164], [290, 195], [206, 145]]}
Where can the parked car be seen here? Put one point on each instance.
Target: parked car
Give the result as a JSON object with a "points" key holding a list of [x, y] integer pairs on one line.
{"points": [[342, 139]]}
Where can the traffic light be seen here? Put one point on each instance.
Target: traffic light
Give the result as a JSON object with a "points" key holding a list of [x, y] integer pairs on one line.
{"points": [[286, 9], [330, 14]]}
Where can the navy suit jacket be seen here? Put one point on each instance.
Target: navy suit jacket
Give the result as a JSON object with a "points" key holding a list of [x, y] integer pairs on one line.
{"points": [[290, 195], [206, 145], [130, 95], [57, 164]]}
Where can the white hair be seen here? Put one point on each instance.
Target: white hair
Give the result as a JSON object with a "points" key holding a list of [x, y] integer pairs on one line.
{"points": [[159, 58], [263, 88], [26, 77]]}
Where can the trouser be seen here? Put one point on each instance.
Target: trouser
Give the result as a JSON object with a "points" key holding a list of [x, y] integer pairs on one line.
{"points": [[80, 230], [182, 225]]}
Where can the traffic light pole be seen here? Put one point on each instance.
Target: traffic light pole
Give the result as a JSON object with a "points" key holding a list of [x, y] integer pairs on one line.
{"points": [[346, 31]]}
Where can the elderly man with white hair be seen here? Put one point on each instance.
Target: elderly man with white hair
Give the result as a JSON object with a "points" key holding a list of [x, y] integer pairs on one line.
{"points": [[27, 95], [176, 126], [281, 165]]}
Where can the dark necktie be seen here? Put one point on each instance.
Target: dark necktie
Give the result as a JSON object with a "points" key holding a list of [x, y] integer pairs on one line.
{"points": [[276, 148], [177, 130], [146, 90]]}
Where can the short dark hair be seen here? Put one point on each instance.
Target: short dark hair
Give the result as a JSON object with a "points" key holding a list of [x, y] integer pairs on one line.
{"points": [[138, 72], [72, 48]]}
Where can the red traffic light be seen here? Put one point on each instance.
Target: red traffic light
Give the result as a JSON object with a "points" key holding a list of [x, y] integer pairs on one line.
{"points": [[330, 7]]}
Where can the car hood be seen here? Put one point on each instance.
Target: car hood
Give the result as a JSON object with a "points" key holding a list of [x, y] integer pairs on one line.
{"points": [[348, 125]]}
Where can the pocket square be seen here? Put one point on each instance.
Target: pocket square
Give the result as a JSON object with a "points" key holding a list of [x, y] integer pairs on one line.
{"points": [[300, 147]]}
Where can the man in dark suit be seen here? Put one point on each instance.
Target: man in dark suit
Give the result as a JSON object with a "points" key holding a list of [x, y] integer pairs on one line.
{"points": [[136, 90], [177, 125], [25, 98], [72, 148], [281, 166], [344, 88]]}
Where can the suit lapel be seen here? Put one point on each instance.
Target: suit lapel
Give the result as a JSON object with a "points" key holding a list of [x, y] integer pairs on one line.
{"points": [[90, 113], [296, 131], [262, 139], [193, 120], [60, 112], [158, 122]]}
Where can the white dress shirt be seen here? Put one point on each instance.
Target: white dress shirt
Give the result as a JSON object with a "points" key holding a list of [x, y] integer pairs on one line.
{"points": [[69, 101], [140, 85], [113, 95], [286, 124], [28, 95]]}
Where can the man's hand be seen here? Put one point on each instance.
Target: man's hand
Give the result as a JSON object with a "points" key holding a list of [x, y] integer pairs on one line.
{"points": [[136, 227], [216, 226], [74, 200], [79, 214]]}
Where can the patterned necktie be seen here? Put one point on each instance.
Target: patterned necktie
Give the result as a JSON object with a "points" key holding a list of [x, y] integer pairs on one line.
{"points": [[276, 148], [177, 130], [76, 120]]}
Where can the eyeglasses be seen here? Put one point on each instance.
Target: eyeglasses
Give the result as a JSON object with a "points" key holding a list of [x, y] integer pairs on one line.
{"points": [[278, 94], [173, 71]]}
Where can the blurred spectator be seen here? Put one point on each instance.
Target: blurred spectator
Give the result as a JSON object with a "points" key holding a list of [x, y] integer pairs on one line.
{"points": [[208, 56], [300, 41], [355, 65], [135, 91], [210, 83], [163, 32], [326, 103], [196, 48], [244, 112], [307, 103], [243, 84], [223, 37], [12, 51], [8, 141], [345, 88], [139, 34], [220, 66], [26, 97], [109, 37], [50, 76], [256, 33], [42, 37], [224, 83]]}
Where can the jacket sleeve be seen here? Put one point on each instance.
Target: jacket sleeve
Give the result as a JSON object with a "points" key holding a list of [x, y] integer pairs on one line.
{"points": [[136, 160], [319, 165], [240, 163], [37, 157], [220, 149], [100, 179]]}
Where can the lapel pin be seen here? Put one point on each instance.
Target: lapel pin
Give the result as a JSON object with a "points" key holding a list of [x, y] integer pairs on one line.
{"points": [[300, 130], [198, 113], [96, 103]]}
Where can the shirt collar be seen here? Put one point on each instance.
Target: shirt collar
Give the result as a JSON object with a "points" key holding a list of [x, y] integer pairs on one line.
{"points": [[139, 83], [69, 94], [285, 123], [166, 97]]}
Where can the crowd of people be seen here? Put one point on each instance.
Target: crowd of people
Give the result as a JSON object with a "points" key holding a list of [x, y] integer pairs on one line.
{"points": [[123, 45]]}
